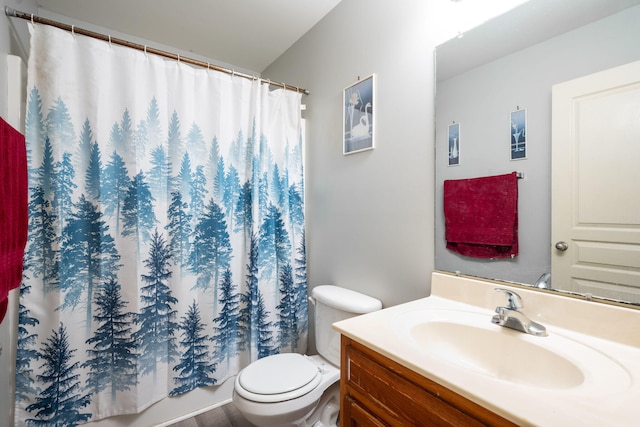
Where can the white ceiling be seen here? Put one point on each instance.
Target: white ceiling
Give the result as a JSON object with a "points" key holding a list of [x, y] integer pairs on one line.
{"points": [[248, 34]]}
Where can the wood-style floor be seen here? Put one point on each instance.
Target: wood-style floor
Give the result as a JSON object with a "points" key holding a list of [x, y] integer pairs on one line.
{"points": [[223, 416]]}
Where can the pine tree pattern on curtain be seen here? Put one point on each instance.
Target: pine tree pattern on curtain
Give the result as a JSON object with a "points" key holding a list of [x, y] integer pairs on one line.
{"points": [[166, 242]]}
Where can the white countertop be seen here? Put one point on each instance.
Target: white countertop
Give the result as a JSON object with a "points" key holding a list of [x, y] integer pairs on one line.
{"points": [[609, 395]]}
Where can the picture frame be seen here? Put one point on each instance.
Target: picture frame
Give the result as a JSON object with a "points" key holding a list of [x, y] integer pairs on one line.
{"points": [[358, 122], [454, 144], [518, 134]]}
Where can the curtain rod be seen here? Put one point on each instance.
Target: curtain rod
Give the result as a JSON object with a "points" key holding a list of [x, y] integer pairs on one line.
{"points": [[72, 28]]}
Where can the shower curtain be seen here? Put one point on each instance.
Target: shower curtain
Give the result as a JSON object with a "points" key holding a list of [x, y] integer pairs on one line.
{"points": [[166, 244]]}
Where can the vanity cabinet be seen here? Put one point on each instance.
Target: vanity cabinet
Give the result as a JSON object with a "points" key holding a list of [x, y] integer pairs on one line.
{"points": [[376, 391]]}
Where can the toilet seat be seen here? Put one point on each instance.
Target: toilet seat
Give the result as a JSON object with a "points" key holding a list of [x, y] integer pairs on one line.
{"points": [[278, 378]]}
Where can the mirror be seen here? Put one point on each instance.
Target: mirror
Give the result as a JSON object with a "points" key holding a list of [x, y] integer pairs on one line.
{"points": [[509, 64]]}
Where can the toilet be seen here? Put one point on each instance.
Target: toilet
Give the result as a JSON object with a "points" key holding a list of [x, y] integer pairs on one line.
{"points": [[292, 389]]}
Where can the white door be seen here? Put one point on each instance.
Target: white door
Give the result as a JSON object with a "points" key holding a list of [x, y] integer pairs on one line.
{"points": [[596, 184]]}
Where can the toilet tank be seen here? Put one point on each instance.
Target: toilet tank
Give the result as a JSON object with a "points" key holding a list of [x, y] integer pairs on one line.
{"points": [[333, 304]]}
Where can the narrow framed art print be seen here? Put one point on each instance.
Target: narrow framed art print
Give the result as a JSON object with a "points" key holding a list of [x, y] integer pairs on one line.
{"points": [[519, 134], [454, 144], [358, 116]]}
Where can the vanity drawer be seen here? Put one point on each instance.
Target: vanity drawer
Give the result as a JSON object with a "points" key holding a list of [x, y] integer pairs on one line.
{"points": [[397, 396], [358, 415]]}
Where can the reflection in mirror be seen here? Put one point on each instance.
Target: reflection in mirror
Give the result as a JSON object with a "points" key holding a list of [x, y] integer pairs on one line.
{"points": [[510, 64]]}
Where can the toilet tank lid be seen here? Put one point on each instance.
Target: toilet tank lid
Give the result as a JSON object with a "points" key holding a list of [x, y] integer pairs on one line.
{"points": [[345, 299]]}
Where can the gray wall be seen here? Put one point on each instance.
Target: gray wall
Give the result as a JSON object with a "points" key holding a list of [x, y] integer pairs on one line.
{"points": [[370, 214], [481, 101]]}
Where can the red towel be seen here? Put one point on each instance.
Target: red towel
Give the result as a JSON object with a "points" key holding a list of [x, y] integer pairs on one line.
{"points": [[13, 210], [481, 216]]}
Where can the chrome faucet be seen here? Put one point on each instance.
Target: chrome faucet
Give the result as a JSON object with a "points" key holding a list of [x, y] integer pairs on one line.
{"points": [[511, 316], [544, 281]]}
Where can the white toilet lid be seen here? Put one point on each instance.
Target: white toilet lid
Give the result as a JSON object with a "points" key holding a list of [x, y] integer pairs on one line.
{"points": [[277, 378]]}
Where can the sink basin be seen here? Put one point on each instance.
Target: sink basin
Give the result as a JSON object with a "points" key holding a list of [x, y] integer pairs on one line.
{"points": [[469, 341], [497, 353]]}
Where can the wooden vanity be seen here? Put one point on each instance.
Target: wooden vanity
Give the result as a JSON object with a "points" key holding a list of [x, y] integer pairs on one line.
{"points": [[376, 391], [440, 361]]}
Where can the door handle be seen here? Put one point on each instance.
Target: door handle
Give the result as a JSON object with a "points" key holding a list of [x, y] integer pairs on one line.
{"points": [[562, 246]]}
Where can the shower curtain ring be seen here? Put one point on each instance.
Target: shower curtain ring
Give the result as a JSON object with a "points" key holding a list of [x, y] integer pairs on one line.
{"points": [[32, 19], [73, 30]]}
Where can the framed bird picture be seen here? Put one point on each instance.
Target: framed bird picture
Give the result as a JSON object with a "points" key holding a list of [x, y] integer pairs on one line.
{"points": [[358, 116]]}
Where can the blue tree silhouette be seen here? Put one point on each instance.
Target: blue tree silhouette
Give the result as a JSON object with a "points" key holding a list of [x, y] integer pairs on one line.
{"points": [[25, 353], [276, 186], [244, 210], [211, 250], [155, 338], [183, 180], [64, 186], [195, 366], [160, 173], [47, 172], [94, 172], [115, 184], [174, 140], [35, 129], [126, 135], [275, 247], [236, 151], [219, 181], [262, 169], [112, 361], [141, 140], [263, 194], [60, 403], [88, 256], [251, 144], [266, 344], [300, 300], [195, 142], [115, 138], [179, 228], [213, 157], [296, 210], [152, 124], [41, 255], [198, 192], [254, 321], [227, 335], [84, 144], [288, 332], [231, 193], [59, 125], [138, 216]]}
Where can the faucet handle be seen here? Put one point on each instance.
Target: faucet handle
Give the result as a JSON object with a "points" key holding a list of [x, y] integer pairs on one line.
{"points": [[513, 299]]}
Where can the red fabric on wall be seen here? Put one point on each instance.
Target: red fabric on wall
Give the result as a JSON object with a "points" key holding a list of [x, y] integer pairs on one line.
{"points": [[13, 210], [481, 216]]}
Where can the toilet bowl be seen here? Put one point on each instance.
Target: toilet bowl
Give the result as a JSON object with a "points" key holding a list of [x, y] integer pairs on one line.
{"points": [[284, 389], [291, 389]]}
